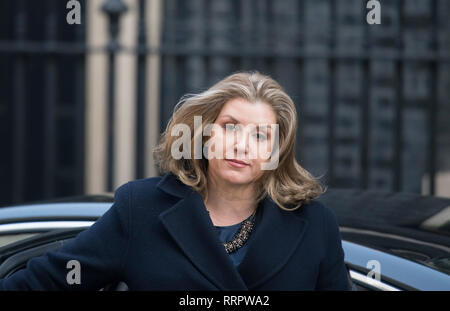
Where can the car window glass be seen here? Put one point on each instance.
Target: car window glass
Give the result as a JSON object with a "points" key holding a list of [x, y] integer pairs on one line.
{"points": [[10, 238]]}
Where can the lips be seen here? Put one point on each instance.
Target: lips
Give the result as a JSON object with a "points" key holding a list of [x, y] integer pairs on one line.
{"points": [[237, 163]]}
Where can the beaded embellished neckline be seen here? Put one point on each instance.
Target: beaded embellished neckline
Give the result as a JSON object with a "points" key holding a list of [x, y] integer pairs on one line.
{"points": [[242, 234]]}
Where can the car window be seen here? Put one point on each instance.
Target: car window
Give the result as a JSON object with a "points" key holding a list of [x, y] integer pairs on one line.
{"points": [[10, 238]]}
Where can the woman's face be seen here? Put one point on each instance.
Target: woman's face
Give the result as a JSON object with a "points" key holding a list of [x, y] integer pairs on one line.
{"points": [[242, 131]]}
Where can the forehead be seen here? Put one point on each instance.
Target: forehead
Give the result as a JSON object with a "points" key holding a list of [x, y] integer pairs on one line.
{"points": [[246, 112]]}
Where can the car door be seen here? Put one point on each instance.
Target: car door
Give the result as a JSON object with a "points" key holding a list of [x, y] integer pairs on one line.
{"points": [[15, 256]]}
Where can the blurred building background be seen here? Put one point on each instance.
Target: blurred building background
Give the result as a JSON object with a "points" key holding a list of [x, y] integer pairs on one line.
{"points": [[82, 105]]}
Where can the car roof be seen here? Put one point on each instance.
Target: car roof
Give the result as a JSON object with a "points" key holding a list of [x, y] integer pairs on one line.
{"points": [[53, 211], [407, 225]]}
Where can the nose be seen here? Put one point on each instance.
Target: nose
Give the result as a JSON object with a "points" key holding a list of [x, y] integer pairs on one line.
{"points": [[241, 143]]}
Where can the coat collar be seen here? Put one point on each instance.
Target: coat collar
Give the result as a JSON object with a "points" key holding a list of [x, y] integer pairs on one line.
{"points": [[277, 234]]}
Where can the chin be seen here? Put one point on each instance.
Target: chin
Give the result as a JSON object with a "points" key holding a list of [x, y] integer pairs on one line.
{"points": [[235, 177]]}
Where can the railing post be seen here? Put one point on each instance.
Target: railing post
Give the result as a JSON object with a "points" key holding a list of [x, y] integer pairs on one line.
{"points": [[114, 9], [332, 81], [80, 103], [399, 106], [19, 106], [50, 102], [434, 100], [141, 92]]}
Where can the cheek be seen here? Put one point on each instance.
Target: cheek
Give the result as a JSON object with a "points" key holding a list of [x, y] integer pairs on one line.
{"points": [[220, 143], [265, 150], [260, 151], [213, 165], [215, 145]]}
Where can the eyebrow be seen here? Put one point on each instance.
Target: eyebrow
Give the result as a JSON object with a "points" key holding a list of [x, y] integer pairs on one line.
{"points": [[231, 117], [260, 127]]}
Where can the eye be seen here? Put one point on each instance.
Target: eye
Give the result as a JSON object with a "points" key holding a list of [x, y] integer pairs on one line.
{"points": [[230, 127], [261, 136]]}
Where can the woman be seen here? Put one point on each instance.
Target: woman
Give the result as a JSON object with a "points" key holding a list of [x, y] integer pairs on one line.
{"points": [[241, 216]]}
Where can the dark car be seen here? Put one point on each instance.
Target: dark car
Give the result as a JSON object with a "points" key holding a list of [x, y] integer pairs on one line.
{"points": [[392, 241], [407, 234]]}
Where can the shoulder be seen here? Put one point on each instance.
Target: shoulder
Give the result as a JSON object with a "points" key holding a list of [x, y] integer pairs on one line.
{"points": [[144, 185], [139, 189], [317, 213], [138, 185], [143, 201], [314, 208]]}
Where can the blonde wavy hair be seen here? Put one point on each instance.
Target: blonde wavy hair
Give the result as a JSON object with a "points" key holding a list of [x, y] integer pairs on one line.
{"points": [[289, 185]]}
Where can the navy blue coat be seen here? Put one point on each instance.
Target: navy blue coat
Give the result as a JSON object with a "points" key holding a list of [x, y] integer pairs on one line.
{"points": [[158, 236]]}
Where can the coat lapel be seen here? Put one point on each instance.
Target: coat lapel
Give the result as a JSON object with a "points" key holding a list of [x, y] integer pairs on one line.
{"points": [[276, 235], [191, 227]]}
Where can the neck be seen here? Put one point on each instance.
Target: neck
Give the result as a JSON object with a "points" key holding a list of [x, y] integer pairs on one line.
{"points": [[229, 204]]}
